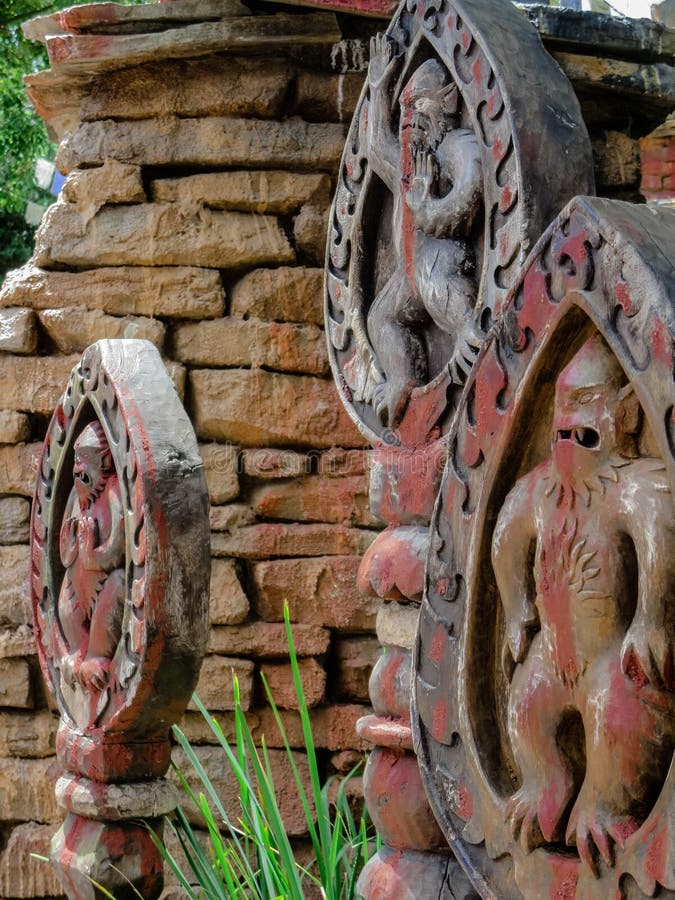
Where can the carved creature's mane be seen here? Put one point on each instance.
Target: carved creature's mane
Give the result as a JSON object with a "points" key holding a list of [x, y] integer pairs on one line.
{"points": [[582, 488]]}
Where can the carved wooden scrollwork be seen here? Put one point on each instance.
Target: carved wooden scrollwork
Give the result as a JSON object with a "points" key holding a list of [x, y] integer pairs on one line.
{"points": [[544, 700], [452, 168]]}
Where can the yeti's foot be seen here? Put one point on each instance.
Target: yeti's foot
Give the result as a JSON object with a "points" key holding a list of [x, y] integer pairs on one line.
{"points": [[535, 811], [594, 828], [390, 400]]}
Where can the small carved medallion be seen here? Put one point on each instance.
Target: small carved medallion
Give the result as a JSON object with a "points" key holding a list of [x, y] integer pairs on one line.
{"points": [[444, 186], [545, 682]]}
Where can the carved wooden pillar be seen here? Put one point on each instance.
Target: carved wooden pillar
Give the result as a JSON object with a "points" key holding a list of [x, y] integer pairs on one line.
{"points": [[544, 710], [119, 576], [453, 167]]}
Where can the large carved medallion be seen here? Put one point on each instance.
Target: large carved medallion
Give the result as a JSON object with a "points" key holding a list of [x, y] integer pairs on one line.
{"points": [[454, 164], [544, 708], [120, 553]]}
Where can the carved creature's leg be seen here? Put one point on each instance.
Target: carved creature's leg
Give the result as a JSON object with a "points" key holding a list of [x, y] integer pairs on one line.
{"points": [[104, 632], [400, 352], [536, 704], [630, 731]]}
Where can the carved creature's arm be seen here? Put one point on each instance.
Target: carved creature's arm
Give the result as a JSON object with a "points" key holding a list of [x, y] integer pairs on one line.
{"points": [[513, 536], [68, 535], [650, 640], [383, 149], [456, 211], [110, 552]]}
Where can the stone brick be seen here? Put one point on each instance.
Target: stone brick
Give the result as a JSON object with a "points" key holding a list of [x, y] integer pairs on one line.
{"points": [[14, 520], [267, 540], [227, 787], [338, 462], [268, 640], [270, 463], [14, 426], [72, 329], [14, 586], [220, 469], [320, 97], [113, 182], [27, 790], [276, 192], [229, 604], [15, 684], [254, 407], [19, 466], [235, 342], [172, 291], [318, 591], [232, 515], [156, 234], [396, 624], [18, 332], [172, 141], [279, 677], [21, 875], [34, 383], [315, 498], [30, 734], [215, 686], [353, 660], [310, 232], [283, 294], [17, 642], [192, 87]]}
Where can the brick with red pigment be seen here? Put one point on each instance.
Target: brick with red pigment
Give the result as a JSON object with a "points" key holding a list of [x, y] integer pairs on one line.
{"points": [[269, 540], [279, 678], [319, 591], [316, 498], [216, 682], [352, 662]]}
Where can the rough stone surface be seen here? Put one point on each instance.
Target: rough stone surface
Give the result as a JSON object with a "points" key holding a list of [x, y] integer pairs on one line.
{"points": [[72, 329], [232, 515], [27, 790], [14, 426], [194, 87], [157, 234], [396, 624], [25, 734], [14, 593], [17, 642], [18, 333], [315, 498], [283, 294], [266, 463], [353, 661], [310, 230], [319, 592], [267, 640], [257, 407], [220, 468], [233, 342], [617, 161], [172, 291], [275, 192], [19, 467], [340, 463], [229, 604], [291, 144], [14, 520], [268, 540], [15, 684], [279, 677], [22, 876], [327, 98], [113, 182], [34, 383], [215, 685]]}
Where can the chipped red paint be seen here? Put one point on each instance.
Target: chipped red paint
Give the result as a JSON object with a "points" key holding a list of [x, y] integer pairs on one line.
{"points": [[439, 719], [564, 877], [393, 566], [437, 645], [462, 801]]}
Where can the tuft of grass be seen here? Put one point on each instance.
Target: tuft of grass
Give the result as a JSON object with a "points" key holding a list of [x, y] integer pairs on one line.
{"points": [[253, 857]]}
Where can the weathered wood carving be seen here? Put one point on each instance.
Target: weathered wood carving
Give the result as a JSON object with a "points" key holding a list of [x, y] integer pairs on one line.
{"points": [[545, 684], [119, 579]]}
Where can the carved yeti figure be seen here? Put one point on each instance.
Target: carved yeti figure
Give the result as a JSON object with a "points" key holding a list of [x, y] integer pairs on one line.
{"points": [[433, 170], [583, 558], [91, 600]]}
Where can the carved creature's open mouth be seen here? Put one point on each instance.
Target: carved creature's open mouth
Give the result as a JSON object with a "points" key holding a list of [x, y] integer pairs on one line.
{"points": [[584, 437]]}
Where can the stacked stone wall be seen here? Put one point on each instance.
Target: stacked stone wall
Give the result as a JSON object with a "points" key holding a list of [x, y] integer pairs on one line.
{"points": [[658, 162], [201, 145]]}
